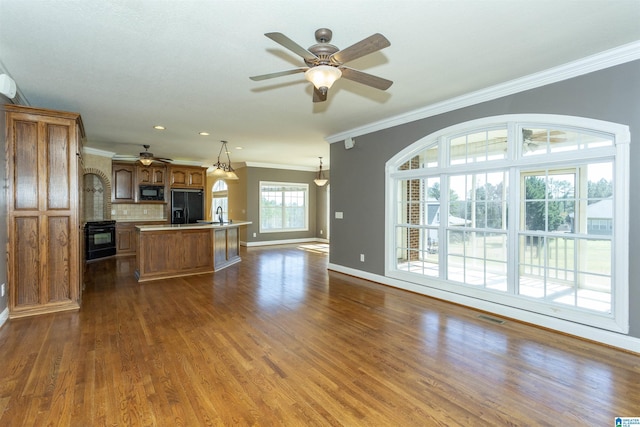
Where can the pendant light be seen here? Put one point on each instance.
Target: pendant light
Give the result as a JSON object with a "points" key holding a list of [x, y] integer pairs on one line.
{"points": [[320, 179], [224, 170]]}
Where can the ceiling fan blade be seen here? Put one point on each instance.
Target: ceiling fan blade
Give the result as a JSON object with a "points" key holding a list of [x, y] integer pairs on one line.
{"points": [[319, 96], [365, 79], [291, 45], [364, 47], [278, 74]]}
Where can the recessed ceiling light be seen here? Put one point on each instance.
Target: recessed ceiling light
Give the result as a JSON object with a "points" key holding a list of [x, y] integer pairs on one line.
{"points": [[158, 127], [204, 133], [238, 148]]}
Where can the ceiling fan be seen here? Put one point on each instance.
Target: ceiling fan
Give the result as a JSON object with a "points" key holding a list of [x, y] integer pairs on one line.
{"points": [[146, 158], [325, 62], [531, 140]]}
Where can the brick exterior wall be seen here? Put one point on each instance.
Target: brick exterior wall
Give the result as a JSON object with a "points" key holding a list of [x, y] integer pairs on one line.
{"points": [[413, 210]]}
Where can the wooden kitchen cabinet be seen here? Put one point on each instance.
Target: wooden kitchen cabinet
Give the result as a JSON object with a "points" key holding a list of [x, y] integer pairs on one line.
{"points": [[151, 175], [187, 177], [173, 253], [226, 247], [44, 263], [125, 238], [123, 183]]}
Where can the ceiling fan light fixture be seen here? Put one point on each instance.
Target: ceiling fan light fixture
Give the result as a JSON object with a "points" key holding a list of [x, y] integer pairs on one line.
{"points": [[147, 158], [323, 76]]}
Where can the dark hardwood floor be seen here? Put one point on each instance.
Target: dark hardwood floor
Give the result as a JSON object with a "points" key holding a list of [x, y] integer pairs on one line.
{"points": [[279, 340]]}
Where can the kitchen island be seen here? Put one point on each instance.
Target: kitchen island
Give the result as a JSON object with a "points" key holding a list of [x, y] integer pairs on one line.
{"points": [[176, 250]]}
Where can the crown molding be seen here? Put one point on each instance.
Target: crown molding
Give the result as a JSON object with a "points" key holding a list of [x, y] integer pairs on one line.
{"points": [[609, 58], [95, 151], [280, 166]]}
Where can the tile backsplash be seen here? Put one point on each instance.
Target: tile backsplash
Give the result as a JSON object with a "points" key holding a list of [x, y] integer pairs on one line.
{"points": [[135, 212], [93, 198]]}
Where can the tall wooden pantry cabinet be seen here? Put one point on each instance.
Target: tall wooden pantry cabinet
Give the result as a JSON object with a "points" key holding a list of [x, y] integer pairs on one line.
{"points": [[44, 182]]}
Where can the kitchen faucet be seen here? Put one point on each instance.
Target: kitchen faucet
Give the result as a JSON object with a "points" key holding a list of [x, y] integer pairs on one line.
{"points": [[219, 213]]}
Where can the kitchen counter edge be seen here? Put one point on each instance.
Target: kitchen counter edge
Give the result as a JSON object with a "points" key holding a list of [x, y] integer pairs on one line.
{"points": [[198, 226]]}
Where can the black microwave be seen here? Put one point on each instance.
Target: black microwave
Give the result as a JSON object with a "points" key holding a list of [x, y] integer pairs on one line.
{"points": [[151, 193]]}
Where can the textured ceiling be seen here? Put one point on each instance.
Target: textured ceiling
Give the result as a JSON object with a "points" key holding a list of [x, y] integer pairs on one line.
{"points": [[128, 65]]}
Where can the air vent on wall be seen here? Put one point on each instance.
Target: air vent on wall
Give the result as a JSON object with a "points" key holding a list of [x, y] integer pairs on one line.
{"points": [[491, 319]]}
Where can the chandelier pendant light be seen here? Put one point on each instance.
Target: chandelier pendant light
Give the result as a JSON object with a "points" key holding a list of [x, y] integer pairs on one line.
{"points": [[320, 179], [224, 170]]}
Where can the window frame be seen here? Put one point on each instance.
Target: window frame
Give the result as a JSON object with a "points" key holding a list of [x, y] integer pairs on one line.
{"points": [[302, 187], [515, 164], [220, 191]]}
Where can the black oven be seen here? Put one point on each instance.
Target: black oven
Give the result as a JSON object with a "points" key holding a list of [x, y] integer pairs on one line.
{"points": [[99, 239]]}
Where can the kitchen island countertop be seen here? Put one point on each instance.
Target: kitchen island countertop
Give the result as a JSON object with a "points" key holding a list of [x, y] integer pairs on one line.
{"points": [[198, 225]]}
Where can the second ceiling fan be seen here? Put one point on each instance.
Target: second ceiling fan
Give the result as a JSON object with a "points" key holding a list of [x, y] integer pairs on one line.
{"points": [[325, 62]]}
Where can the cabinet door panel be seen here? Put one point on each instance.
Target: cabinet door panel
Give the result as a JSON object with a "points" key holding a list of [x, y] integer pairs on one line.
{"points": [[160, 252], [178, 178], [26, 261], [59, 257], [158, 176], [196, 178], [220, 247], [197, 249], [123, 184], [58, 189], [125, 239], [25, 170], [233, 249], [144, 175]]}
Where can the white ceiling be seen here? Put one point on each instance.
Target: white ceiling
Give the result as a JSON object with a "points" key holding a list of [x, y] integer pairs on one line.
{"points": [[127, 65]]}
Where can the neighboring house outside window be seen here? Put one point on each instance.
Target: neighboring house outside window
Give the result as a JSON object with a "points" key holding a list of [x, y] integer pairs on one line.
{"points": [[537, 215], [284, 206]]}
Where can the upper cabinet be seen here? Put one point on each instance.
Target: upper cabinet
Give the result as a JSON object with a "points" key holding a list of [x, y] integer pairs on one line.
{"points": [[123, 183], [44, 249], [127, 177], [152, 175], [187, 176]]}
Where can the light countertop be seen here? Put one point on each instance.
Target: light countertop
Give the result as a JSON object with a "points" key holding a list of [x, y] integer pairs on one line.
{"points": [[199, 225]]}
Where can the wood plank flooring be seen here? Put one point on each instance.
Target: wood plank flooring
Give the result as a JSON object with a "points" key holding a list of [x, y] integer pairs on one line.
{"points": [[279, 340]]}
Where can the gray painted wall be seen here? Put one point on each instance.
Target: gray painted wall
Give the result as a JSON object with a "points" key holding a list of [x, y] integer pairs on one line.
{"points": [[253, 177], [358, 174], [322, 205]]}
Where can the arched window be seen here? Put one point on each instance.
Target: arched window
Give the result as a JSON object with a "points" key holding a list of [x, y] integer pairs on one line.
{"points": [[220, 198], [528, 211]]}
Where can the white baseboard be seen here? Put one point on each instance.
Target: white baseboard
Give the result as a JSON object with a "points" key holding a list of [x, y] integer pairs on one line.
{"points": [[4, 316], [284, 242], [621, 341]]}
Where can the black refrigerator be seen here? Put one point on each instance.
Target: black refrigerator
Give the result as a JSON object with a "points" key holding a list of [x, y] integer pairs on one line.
{"points": [[187, 206]]}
